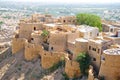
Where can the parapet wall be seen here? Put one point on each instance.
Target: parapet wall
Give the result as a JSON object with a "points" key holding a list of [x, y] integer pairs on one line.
{"points": [[48, 59], [32, 51], [18, 44], [72, 68], [110, 67]]}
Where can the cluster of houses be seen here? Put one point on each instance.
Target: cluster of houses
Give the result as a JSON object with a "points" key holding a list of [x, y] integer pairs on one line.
{"points": [[54, 38]]}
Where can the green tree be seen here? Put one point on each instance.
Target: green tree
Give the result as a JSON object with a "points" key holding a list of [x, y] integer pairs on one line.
{"points": [[89, 19], [84, 61]]}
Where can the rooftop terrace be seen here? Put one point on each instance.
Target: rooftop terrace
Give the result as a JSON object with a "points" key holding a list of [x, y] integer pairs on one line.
{"points": [[112, 51]]}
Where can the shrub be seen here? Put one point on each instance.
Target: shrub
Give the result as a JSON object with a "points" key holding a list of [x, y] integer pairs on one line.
{"points": [[45, 33], [84, 61]]}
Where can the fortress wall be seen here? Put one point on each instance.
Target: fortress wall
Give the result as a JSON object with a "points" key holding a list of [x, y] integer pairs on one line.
{"points": [[72, 68], [48, 59], [18, 44], [27, 28], [37, 38], [80, 46], [32, 51], [58, 42], [110, 67]]}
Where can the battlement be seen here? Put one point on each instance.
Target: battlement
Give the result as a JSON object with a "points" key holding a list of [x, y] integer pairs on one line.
{"points": [[72, 68], [32, 50], [18, 44], [48, 59]]}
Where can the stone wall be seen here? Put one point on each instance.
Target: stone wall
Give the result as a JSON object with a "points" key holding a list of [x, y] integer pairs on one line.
{"points": [[58, 41], [27, 28], [72, 68], [81, 45], [36, 37], [110, 66], [48, 59], [32, 51], [18, 44], [105, 27]]}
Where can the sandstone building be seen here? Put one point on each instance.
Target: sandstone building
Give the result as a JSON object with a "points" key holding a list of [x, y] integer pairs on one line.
{"points": [[54, 38]]}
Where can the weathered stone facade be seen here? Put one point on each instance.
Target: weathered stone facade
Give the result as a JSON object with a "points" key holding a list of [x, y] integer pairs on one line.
{"points": [[68, 41], [110, 64], [32, 51], [72, 68], [48, 59], [18, 44]]}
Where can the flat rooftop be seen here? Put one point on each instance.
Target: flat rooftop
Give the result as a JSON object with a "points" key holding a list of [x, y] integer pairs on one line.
{"points": [[115, 51], [81, 40], [86, 28], [99, 40]]}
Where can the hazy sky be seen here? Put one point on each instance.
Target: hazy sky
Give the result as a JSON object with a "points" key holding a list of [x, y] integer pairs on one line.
{"points": [[70, 1]]}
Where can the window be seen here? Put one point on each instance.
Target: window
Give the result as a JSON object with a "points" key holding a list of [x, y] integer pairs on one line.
{"points": [[97, 34], [111, 30], [64, 21], [89, 47], [94, 49], [98, 50], [32, 39], [51, 48], [94, 59], [34, 28]]}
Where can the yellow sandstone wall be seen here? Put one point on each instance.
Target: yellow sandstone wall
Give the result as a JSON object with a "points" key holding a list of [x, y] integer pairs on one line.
{"points": [[37, 38], [27, 28], [81, 45], [32, 51], [48, 59], [110, 67], [95, 55], [18, 44], [72, 68], [58, 41]]}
